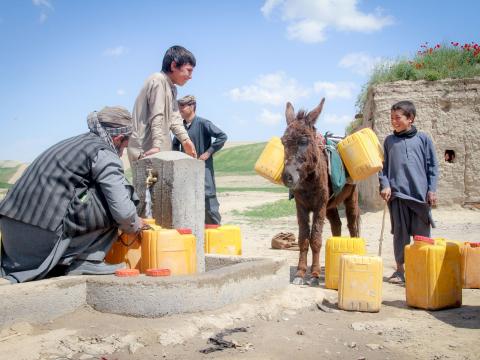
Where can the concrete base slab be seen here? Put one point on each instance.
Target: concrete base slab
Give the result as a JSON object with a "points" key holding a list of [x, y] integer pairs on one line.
{"points": [[41, 301], [228, 279]]}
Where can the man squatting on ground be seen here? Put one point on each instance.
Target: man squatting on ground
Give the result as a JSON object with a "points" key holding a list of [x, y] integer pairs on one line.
{"points": [[67, 207], [155, 112], [408, 181], [201, 132]]}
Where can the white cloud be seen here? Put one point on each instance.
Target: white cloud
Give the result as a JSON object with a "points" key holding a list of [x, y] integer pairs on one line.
{"points": [[308, 20], [308, 31], [46, 6], [121, 92], [270, 118], [360, 63], [334, 119], [43, 17], [335, 90], [269, 6], [272, 89], [116, 51], [43, 3]]}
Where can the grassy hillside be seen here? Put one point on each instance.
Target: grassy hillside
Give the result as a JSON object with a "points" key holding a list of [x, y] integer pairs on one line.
{"points": [[5, 174], [430, 63], [238, 160]]}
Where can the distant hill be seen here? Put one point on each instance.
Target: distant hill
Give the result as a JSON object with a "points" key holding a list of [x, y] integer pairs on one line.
{"points": [[238, 160], [9, 163], [233, 159]]}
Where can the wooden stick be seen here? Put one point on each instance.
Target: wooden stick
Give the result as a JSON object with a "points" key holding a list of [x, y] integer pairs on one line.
{"points": [[380, 241]]}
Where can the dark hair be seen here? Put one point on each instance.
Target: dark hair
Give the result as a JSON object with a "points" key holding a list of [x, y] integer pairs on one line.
{"points": [[407, 108], [180, 55]]}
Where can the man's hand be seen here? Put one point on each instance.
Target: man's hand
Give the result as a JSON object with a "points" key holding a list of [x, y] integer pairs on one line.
{"points": [[386, 194], [204, 156], [189, 148], [152, 151], [432, 198]]}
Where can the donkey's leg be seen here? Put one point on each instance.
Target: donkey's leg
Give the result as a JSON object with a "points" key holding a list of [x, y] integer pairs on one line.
{"points": [[303, 219], [335, 222], [316, 244], [352, 210]]}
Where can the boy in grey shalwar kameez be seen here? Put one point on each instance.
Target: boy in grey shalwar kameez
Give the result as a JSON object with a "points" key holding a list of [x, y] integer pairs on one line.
{"points": [[408, 181], [201, 131]]}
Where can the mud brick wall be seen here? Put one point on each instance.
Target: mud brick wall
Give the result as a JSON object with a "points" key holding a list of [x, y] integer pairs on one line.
{"points": [[449, 111]]}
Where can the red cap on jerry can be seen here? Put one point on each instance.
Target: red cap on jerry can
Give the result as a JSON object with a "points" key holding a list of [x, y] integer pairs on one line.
{"points": [[424, 239]]}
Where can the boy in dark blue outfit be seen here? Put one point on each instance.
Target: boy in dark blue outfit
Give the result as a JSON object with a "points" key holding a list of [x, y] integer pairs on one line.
{"points": [[201, 131], [408, 181]]}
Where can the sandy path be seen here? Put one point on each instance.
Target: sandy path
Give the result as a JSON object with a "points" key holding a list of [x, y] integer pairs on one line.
{"points": [[17, 174], [280, 325]]}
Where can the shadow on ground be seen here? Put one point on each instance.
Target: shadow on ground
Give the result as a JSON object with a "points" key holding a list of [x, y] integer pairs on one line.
{"points": [[466, 316]]}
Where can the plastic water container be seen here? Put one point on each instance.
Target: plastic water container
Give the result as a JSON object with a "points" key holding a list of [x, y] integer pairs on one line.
{"points": [[361, 153], [470, 265], [190, 244], [209, 229], [149, 221], [165, 249], [271, 161], [432, 274], [335, 248], [360, 283], [225, 240], [126, 249]]}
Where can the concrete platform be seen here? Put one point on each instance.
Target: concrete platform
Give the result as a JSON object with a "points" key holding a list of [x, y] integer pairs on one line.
{"points": [[228, 279]]}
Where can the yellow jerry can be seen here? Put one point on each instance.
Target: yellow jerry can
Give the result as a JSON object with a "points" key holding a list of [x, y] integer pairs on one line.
{"points": [[126, 249], [224, 239], [165, 249], [470, 265], [360, 283], [271, 161], [190, 244], [361, 154], [432, 274], [336, 247]]}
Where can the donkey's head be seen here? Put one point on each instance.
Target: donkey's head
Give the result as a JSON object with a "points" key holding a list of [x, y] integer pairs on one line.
{"points": [[301, 146]]}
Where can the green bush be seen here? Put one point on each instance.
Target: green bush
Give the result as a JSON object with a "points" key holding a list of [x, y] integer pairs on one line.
{"points": [[429, 63]]}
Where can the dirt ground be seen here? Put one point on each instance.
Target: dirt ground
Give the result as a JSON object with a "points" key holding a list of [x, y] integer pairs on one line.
{"points": [[273, 325]]}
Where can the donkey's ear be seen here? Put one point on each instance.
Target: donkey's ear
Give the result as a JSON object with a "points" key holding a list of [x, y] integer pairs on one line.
{"points": [[313, 115], [289, 113]]}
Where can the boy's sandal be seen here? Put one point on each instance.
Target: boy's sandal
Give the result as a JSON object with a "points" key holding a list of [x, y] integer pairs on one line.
{"points": [[397, 278]]}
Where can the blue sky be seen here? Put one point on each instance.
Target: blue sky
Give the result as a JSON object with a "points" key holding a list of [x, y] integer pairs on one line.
{"points": [[61, 59]]}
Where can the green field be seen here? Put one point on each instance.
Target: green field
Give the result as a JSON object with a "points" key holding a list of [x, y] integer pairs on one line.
{"points": [[273, 188], [277, 209], [238, 160], [5, 174], [128, 175]]}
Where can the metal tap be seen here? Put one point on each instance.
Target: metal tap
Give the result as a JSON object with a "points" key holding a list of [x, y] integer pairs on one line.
{"points": [[151, 177]]}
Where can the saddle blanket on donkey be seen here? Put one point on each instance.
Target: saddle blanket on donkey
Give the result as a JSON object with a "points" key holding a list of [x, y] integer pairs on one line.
{"points": [[336, 169]]}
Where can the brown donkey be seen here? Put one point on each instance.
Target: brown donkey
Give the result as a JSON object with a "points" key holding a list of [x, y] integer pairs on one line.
{"points": [[306, 175]]}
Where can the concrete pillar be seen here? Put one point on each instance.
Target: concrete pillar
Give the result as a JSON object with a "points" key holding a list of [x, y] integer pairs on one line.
{"points": [[178, 195]]}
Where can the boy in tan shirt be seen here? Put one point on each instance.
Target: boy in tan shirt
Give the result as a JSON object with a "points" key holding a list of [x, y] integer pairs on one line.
{"points": [[156, 113]]}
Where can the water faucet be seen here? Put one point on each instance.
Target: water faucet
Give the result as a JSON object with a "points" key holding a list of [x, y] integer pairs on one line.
{"points": [[151, 177]]}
